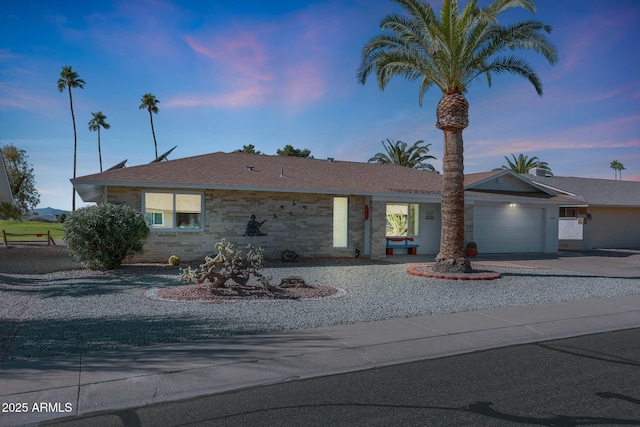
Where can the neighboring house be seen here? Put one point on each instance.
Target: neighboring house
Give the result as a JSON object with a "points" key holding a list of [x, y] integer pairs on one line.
{"points": [[609, 216], [319, 207], [5, 188]]}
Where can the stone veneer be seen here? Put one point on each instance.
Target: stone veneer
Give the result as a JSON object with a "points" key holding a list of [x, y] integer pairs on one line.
{"points": [[297, 221]]}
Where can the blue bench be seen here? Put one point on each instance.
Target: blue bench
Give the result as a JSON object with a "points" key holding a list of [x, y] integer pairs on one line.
{"points": [[401, 243]]}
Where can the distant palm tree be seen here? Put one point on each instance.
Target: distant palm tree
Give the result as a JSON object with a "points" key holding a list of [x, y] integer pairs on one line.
{"points": [[150, 103], [397, 153], [70, 79], [614, 165], [523, 163], [617, 169], [97, 122], [450, 52]]}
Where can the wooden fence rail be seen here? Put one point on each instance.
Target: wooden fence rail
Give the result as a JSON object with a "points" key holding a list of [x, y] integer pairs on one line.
{"points": [[47, 236]]}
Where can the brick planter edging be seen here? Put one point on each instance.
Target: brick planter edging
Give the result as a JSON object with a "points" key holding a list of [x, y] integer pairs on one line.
{"points": [[425, 271]]}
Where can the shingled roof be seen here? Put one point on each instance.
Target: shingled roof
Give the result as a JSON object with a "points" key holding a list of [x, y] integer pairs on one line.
{"points": [[596, 192], [254, 172], [243, 171]]}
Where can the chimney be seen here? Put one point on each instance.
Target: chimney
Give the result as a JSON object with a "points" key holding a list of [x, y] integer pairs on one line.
{"points": [[538, 172]]}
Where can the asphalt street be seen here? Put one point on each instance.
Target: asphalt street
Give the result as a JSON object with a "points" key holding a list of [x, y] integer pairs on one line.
{"points": [[582, 381]]}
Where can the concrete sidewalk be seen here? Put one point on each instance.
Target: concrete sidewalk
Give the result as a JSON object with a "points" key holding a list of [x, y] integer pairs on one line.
{"points": [[58, 387]]}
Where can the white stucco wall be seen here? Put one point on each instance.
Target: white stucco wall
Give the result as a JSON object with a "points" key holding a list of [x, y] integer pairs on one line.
{"points": [[430, 225]]}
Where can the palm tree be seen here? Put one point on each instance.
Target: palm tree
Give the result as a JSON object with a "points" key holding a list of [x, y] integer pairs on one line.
{"points": [[97, 122], [617, 169], [614, 166], [450, 52], [523, 163], [150, 103], [620, 169], [399, 154], [70, 79]]}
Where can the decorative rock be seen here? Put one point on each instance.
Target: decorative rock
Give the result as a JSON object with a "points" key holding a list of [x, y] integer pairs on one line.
{"points": [[292, 281]]}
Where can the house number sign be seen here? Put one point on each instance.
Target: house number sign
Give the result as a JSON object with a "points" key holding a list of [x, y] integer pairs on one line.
{"points": [[429, 215]]}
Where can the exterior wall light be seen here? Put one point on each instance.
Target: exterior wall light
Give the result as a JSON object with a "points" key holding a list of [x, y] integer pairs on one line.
{"points": [[512, 205]]}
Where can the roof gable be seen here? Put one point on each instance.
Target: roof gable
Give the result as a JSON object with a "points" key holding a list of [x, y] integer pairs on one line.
{"points": [[505, 182]]}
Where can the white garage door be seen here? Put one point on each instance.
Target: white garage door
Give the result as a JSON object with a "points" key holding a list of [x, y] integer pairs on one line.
{"points": [[502, 229]]}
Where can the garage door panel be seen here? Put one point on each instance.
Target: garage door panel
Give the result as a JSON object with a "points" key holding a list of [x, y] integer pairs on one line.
{"points": [[500, 229]]}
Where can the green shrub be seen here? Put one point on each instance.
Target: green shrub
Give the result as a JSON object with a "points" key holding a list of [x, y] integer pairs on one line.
{"points": [[102, 237], [174, 260]]}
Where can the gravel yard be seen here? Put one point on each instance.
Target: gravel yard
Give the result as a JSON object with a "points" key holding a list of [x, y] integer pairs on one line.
{"points": [[79, 311]]}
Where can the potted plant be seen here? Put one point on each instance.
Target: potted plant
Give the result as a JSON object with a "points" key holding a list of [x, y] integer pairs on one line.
{"points": [[471, 250]]}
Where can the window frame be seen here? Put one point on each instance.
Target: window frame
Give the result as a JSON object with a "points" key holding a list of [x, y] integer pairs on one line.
{"points": [[413, 221], [174, 211], [564, 209]]}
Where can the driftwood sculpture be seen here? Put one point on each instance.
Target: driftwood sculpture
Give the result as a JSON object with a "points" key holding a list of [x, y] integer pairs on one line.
{"points": [[229, 264]]}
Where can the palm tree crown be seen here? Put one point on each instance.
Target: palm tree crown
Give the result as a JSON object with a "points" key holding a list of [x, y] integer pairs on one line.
{"points": [[450, 52], [523, 163], [98, 121], [398, 153], [70, 79], [149, 103]]}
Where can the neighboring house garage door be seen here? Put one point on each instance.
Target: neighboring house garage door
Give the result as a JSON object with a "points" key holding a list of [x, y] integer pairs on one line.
{"points": [[501, 229]]}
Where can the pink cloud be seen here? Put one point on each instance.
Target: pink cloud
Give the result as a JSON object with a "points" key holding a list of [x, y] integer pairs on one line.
{"points": [[609, 134], [7, 54], [303, 83], [248, 96], [263, 63], [242, 56], [23, 99]]}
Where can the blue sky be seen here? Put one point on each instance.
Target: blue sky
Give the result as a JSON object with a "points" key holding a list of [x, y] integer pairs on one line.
{"points": [[231, 73]]}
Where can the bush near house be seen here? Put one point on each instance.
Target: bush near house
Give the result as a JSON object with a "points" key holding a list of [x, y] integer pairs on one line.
{"points": [[102, 237]]}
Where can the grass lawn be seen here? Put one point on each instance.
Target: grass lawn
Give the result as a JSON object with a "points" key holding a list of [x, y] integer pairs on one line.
{"points": [[29, 227]]}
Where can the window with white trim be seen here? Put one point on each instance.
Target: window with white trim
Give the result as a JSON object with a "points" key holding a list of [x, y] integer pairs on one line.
{"points": [[340, 221], [173, 211], [403, 219]]}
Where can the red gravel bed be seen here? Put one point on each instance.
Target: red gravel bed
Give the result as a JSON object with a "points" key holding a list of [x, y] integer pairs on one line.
{"points": [[425, 271]]}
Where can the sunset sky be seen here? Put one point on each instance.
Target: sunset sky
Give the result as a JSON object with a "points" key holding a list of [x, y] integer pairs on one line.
{"points": [[270, 73]]}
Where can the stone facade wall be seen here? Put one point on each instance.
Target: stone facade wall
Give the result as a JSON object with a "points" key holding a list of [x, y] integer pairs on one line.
{"points": [[299, 222], [378, 215]]}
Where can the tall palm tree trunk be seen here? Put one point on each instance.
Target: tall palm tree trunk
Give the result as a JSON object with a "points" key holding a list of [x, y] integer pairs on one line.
{"points": [[453, 117], [153, 132], [75, 151], [99, 150]]}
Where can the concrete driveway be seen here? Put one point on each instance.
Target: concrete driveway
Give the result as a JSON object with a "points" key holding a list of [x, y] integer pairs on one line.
{"points": [[603, 262]]}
